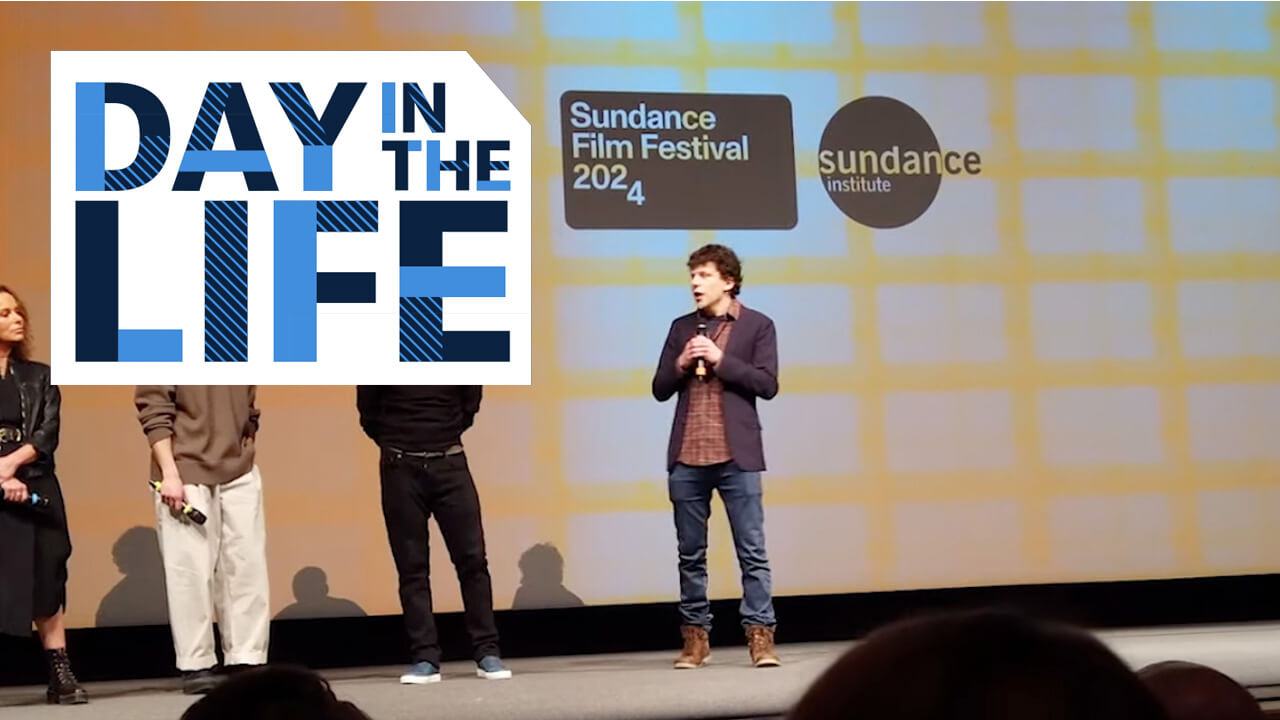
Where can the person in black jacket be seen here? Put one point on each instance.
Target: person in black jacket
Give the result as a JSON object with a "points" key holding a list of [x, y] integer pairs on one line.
{"points": [[424, 472], [34, 542]]}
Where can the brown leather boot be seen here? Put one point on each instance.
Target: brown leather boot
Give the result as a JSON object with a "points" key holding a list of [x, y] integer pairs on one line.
{"points": [[760, 643], [697, 648]]}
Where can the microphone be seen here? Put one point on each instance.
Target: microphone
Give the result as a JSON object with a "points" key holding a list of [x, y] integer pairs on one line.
{"points": [[193, 514], [701, 369], [35, 500]]}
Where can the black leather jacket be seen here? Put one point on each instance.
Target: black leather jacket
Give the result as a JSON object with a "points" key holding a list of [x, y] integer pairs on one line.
{"points": [[41, 412]]}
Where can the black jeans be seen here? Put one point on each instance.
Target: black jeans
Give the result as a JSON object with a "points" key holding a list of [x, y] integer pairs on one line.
{"points": [[413, 489]]}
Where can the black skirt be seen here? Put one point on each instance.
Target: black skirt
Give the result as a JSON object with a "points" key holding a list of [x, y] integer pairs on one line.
{"points": [[34, 549]]}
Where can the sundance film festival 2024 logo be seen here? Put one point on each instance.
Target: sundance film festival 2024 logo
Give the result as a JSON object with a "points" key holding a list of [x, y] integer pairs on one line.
{"points": [[327, 218], [881, 163]]}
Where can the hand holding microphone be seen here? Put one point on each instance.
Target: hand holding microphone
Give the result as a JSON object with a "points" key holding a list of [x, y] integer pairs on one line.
{"points": [[16, 491], [172, 494], [705, 353], [700, 353]]}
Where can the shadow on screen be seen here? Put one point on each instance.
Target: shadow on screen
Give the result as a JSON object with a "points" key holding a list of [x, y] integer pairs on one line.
{"points": [[542, 580], [139, 597], [312, 599]]}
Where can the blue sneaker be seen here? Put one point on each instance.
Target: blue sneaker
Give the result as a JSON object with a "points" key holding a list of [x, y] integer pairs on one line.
{"points": [[421, 674], [491, 668]]}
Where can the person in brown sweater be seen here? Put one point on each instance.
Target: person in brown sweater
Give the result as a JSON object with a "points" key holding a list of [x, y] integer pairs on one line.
{"points": [[202, 452]]}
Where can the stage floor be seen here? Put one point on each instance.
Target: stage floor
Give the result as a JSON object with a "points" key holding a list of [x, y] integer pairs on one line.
{"points": [[640, 686]]}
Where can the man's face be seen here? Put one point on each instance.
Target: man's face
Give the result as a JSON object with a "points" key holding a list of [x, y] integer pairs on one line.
{"points": [[709, 286]]}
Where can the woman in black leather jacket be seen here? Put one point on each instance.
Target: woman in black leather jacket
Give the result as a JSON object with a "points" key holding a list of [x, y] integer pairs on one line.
{"points": [[33, 520]]}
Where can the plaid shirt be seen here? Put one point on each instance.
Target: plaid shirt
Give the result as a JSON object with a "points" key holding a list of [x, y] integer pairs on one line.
{"points": [[704, 442]]}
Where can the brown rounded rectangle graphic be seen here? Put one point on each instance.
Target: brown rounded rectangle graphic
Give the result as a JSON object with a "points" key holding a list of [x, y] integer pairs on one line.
{"points": [[694, 161]]}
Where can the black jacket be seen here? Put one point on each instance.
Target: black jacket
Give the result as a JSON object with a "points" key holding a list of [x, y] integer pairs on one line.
{"points": [[417, 418], [41, 412], [36, 544], [748, 371]]}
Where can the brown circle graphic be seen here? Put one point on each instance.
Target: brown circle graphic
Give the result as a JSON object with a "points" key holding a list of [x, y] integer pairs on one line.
{"points": [[878, 162]]}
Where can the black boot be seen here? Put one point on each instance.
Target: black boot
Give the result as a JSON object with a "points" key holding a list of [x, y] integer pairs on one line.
{"points": [[64, 689], [200, 682]]}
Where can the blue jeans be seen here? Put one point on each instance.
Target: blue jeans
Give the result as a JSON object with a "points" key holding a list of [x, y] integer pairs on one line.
{"points": [[690, 490]]}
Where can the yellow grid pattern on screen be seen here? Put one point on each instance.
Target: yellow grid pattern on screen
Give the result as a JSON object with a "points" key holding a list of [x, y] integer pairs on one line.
{"points": [[1015, 269]]}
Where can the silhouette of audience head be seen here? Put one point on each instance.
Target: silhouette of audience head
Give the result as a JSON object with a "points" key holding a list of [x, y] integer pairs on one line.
{"points": [[542, 563], [137, 551], [137, 598], [277, 692], [311, 590], [310, 583], [1195, 692], [542, 580], [985, 665]]}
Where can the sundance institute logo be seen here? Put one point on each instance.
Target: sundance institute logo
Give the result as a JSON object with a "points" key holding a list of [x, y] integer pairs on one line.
{"points": [[881, 164]]}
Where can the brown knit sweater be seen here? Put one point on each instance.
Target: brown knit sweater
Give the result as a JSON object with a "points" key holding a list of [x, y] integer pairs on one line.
{"points": [[212, 426]]}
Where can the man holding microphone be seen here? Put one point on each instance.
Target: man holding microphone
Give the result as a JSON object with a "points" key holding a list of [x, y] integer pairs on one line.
{"points": [[719, 359], [202, 451]]}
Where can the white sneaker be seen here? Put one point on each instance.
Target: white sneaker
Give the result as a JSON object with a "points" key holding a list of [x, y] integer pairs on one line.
{"points": [[491, 668], [421, 674]]}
